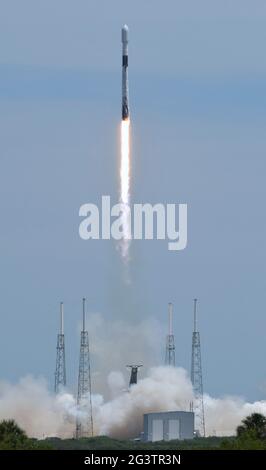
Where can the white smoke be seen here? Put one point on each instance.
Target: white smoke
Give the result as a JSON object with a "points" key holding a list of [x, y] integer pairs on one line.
{"points": [[223, 415], [117, 411], [164, 389], [40, 413]]}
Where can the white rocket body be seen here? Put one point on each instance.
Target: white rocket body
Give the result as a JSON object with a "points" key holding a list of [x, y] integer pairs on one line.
{"points": [[125, 97]]}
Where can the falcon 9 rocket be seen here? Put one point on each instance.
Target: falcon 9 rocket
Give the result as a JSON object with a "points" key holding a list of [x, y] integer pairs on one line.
{"points": [[125, 99]]}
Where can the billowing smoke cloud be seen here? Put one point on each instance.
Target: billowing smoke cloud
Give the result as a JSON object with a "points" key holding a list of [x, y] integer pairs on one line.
{"points": [[223, 415], [41, 413], [164, 389], [117, 411]]}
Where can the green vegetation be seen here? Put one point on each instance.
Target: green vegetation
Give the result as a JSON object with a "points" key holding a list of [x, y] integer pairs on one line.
{"points": [[12, 437], [251, 434], [254, 424], [104, 442]]}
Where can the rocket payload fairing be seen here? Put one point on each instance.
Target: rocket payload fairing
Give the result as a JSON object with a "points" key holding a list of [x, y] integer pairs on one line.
{"points": [[125, 98]]}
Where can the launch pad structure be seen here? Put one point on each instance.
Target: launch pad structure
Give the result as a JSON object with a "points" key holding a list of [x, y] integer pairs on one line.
{"points": [[84, 422], [170, 339], [60, 368], [196, 378], [134, 373]]}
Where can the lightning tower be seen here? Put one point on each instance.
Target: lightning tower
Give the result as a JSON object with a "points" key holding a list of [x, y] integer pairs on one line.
{"points": [[84, 423], [196, 378], [170, 340], [60, 369]]}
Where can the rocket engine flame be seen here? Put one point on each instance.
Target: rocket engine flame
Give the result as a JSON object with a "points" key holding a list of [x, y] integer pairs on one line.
{"points": [[125, 187], [125, 163]]}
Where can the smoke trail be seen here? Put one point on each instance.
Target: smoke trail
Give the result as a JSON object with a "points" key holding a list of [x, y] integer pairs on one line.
{"points": [[125, 189]]}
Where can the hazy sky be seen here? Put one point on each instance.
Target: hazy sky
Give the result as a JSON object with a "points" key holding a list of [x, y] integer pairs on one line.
{"points": [[197, 98]]}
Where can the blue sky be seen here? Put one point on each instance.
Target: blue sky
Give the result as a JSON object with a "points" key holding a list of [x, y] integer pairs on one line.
{"points": [[197, 97]]}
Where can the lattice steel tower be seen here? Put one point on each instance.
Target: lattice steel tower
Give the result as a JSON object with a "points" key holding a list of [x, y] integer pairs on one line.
{"points": [[196, 378], [60, 369], [84, 423], [170, 340]]}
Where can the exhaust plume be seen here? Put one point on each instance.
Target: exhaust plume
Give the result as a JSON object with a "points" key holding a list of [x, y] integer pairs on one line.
{"points": [[41, 413], [125, 189]]}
